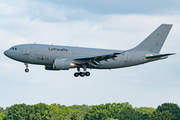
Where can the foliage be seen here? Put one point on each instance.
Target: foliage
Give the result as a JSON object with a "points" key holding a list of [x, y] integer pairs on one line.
{"points": [[102, 112], [165, 115], [171, 107], [83, 108], [111, 119], [2, 110], [114, 111], [18, 112], [129, 114], [2, 116], [39, 109], [51, 112], [145, 112]]}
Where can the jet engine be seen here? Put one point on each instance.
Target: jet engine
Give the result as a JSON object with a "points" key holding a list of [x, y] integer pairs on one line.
{"points": [[61, 64], [49, 67]]}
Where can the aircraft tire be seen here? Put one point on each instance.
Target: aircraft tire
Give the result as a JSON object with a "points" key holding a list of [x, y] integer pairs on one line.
{"points": [[76, 74], [26, 70], [82, 74], [87, 73]]}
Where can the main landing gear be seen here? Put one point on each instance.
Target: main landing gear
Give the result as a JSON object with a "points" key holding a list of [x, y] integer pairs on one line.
{"points": [[82, 74], [26, 70]]}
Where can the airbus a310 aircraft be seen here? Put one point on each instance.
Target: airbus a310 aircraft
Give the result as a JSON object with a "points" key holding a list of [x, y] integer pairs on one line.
{"points": [[64, 57]]}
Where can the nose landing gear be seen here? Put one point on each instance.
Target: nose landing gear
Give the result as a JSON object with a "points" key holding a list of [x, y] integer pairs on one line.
{"points": [[82, 74], [26, 70]]}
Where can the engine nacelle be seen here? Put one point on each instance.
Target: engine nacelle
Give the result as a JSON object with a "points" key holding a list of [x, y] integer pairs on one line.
{"points": [[61, 64], [49, 67]]}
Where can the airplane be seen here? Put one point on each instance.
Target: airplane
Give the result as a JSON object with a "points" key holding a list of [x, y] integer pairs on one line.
{"points": [[55, 57]]}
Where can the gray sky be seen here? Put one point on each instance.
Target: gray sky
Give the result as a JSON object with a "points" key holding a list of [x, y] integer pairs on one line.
{"points": [[111, 24]]}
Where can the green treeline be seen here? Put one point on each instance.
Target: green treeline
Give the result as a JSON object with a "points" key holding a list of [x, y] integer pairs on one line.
{"points": [[114, 111]]}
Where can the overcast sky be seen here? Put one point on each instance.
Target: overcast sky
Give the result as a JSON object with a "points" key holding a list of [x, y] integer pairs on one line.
{"points": [[108, 24]]}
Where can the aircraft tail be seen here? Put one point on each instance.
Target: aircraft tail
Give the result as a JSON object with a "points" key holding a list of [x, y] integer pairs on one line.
{"points": [[154, 42]]}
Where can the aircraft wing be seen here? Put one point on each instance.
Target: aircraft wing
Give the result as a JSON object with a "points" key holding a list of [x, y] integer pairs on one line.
{"points": [[94, 60], [160, 55]]}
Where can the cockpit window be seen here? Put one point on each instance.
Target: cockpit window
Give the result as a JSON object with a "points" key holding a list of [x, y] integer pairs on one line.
{"points": [[13, 48]]}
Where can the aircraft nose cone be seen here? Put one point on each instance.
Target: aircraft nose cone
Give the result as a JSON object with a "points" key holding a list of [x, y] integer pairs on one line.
{"points": [[6, 53]]}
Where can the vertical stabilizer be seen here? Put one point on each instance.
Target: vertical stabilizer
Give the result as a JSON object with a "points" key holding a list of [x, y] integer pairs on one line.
{"points": [[154, 42]]}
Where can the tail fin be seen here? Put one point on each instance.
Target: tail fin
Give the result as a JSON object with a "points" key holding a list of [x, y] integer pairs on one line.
{"points": [[154, 42]]}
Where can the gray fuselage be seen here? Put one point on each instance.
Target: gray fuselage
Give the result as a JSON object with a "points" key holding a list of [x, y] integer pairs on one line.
{"points": [[45, 54]]}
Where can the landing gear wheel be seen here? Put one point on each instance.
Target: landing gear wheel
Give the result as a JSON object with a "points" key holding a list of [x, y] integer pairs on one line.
{"points": [[26, 70], [82, 74], [76, 74], [87, 73]]}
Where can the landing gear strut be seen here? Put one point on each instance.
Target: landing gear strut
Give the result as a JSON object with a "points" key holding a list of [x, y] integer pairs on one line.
{"points": [[26, 70], [82, 74]]}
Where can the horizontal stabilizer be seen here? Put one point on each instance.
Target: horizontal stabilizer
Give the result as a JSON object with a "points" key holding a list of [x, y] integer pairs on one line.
{"points": [[160, 55]]}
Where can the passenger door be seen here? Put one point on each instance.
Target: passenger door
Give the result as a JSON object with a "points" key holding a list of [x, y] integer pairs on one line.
{"points": [[26, 53]]}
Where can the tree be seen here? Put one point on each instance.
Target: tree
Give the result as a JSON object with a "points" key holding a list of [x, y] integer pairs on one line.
{"points": [[82, 108], [51, 112], [37, 116], [26, 112], [74, 116], [171, 107], [40, 108], [31, 116], [129, 114], [2, 116], [17, 112], [145, 111], [77, 115], [2, 110], [98, 112], [165, 115], [65, 113], [102, 112]]}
